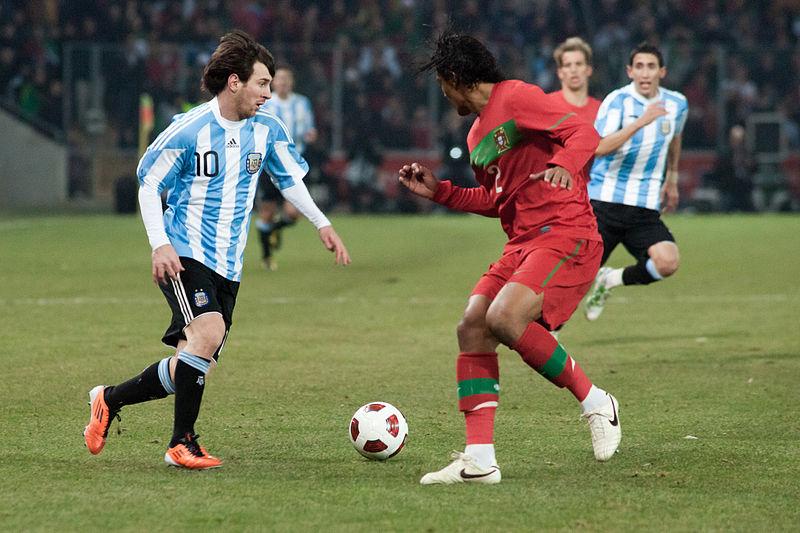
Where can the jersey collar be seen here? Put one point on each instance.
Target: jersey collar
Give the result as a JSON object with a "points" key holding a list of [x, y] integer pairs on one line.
{"points": [[643, 99], [224, 122]]}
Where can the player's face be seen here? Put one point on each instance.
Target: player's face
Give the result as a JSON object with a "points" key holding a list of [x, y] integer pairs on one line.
{"points": [[574, 71], [254, 92], [646, 74], [283, 82], [455, 97]]}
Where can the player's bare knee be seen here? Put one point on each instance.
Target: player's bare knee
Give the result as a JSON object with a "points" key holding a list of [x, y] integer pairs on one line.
{"points": [[667, 261], [206, 335], [503, 324], [471, 329], [668, 267]]}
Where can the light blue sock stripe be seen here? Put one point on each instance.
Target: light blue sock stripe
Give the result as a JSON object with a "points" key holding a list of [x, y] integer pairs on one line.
{"points": [[651, 269], [198, 363], [264, 226], [163, 375]]}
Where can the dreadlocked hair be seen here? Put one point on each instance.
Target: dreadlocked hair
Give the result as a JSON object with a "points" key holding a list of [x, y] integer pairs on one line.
{"points": [[462, 60]]}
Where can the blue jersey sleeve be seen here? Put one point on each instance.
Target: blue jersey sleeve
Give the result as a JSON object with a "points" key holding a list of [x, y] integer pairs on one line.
{"points": [[680, 120], [284, 164], [159, 168], [164, 160], [609, 116]]}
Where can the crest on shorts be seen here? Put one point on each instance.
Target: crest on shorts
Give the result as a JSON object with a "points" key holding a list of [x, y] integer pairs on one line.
{"points": [[200, 299], [501, 140], [665, 127], [253, 162]]}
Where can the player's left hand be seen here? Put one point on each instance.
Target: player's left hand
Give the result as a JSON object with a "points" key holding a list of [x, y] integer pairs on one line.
{"points": [[555, 176], [334, 243], [669, 196]]}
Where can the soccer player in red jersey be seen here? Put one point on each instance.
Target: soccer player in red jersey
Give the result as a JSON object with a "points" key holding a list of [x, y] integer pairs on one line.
{"points": [[574, 61], [526, 152]]}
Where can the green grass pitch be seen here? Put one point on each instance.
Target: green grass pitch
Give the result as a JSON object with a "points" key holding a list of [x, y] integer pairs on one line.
{"points": [[713, 353]]}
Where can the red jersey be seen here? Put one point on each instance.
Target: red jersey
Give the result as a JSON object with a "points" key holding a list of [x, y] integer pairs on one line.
{"points": [[587, 112], [520, 132]]}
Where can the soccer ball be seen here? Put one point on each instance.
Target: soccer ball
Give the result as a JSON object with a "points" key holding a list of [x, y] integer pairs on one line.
{"points": [[378, 430]]}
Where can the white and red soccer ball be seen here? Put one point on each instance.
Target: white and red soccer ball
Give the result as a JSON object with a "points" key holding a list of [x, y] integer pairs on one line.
{"points": [[378, 430]]}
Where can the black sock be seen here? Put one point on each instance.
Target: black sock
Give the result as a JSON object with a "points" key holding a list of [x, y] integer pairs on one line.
{"points": [[637, 274], [189, 386], [284, 222], [142, 388], [265, 245]]}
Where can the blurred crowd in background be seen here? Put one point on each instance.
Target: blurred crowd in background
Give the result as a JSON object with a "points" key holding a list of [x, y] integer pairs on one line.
{"points": [[730, 58]]}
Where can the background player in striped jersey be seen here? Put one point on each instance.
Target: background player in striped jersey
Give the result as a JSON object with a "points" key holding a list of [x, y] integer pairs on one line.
{"points": [[574, 68], [208, 161], [296, 112], [641, 125], [525, 150]]}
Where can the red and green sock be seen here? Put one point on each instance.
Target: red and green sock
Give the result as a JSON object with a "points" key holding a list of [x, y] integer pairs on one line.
{"points": [[478, 377], [545, 355]]}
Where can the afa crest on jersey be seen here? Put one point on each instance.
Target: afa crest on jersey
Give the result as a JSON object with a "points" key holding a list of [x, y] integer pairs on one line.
{"points": [[666, 126], [200, 299], [253, 162]]}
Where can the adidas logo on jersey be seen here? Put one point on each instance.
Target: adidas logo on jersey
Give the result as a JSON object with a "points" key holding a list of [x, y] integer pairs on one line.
{"points": [[232, 144]]}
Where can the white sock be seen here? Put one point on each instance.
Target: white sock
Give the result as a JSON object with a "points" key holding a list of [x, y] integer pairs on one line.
{"points": [[596, 399], [482, 453], [613, 279]]}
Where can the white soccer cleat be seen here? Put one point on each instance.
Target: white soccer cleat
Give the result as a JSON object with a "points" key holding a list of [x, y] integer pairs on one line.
{"points": [[606, 430], [599, 293], [463, 469]]}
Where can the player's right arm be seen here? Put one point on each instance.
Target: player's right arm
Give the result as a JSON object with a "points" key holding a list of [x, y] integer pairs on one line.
{"points": [[609, 123], [420, 180], [158, 169]]}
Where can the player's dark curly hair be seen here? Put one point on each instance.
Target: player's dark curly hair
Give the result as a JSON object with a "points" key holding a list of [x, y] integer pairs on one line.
{"points": [[646, 48], [462, 60], [236, 54]]}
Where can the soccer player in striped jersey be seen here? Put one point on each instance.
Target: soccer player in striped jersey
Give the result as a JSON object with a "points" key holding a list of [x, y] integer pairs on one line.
{"points": [[296, 112], [207, 161], [635, 176], [527, 152]]}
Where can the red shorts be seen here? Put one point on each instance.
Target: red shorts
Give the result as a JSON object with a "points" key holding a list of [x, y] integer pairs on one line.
{"points": [[563, 268]]}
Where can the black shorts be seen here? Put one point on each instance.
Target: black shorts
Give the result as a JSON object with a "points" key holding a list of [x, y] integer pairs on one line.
{"points": [[267, 191], [636, 228], [199, 290]]}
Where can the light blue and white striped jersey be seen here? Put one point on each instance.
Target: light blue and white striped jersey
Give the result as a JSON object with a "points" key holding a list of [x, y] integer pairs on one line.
{"points": [[633, 174], [296, 112], [209, 165]]}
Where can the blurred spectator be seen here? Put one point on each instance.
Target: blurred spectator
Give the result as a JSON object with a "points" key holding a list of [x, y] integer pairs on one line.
{"points": [[364, 188], [730, 58], [733, 173]]}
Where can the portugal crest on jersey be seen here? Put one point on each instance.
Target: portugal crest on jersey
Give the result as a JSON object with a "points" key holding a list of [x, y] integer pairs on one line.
{"points": [[253, 162], [501, 140]]}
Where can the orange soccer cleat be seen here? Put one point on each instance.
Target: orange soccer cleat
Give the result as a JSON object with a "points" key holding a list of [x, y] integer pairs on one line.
{"points": [[189, 454], [100, 417]]}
